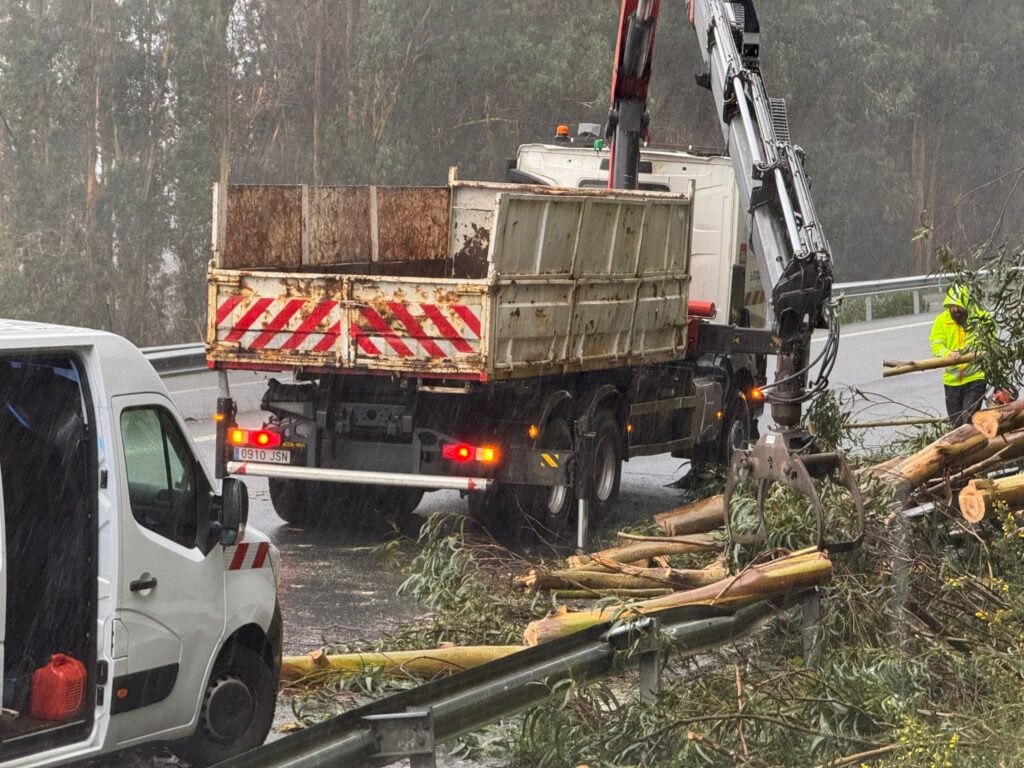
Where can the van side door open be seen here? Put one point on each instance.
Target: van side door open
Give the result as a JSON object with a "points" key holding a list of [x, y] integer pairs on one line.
{"points": [[171, 589]]}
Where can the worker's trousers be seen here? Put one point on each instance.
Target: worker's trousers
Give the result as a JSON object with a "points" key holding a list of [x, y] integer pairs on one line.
{"points": [[964, 401]]}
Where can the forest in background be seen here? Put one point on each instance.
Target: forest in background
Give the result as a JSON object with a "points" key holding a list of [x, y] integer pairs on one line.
{"points": [[117, 115]]}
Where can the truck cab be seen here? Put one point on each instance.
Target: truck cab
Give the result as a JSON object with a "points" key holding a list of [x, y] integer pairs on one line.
{"points": [[136, 605]]}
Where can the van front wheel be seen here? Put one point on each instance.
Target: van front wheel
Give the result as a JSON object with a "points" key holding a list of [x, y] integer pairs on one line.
{"points": [[237, 709]]}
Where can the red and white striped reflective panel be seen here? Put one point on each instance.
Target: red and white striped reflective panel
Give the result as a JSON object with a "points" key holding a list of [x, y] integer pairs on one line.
{"points": [[392, 329], [244, 557]]}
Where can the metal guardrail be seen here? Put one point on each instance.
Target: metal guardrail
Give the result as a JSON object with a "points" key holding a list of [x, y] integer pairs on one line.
{"points": [[409, 724], [177, 359], [915, 285]]}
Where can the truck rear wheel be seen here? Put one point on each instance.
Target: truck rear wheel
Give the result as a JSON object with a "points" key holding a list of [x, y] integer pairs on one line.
{"points": [[550, 507], [297, 502], [607, 468], [237, 709]]}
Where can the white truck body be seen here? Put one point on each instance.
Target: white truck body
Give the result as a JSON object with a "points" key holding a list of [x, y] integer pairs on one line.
{"points": [[165, 598], [719, 230]]}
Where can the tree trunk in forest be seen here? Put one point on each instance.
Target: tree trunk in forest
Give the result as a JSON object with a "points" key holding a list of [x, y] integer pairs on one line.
{"points": [[794, 573]]}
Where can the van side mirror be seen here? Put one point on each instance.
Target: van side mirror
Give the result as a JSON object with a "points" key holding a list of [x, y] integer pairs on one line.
{"points": [[234, 510]]}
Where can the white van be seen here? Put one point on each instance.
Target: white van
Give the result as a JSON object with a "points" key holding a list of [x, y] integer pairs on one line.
{"points": [[135, 604]]}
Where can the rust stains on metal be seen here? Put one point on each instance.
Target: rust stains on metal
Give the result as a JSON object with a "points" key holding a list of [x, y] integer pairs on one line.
{"points": [[470, 261], [413, 223], [264, 227], [338, 226]]}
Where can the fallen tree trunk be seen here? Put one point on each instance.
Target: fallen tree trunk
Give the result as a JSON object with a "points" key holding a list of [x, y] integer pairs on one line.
{"points": [[998, 421], [701, 517], [928, 364], [618, 576], [957, 449], [596, 594], [980, 497], [645, 550], [424, 664], [796, 572]]}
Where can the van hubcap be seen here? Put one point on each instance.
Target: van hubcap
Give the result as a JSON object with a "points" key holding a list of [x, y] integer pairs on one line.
{"points": [[230, 707]]}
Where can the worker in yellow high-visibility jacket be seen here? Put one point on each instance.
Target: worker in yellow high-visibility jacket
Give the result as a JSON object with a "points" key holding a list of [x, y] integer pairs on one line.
{"points": [[951, 337]]}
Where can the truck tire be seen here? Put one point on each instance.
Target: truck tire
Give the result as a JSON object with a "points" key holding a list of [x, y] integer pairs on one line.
{"points": [[237, 709], [297, 502], [607, 468], [551, 508], [736, 429]]}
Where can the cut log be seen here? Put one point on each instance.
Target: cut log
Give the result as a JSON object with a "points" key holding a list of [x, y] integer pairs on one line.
{"points": [[645, 550], [425, 664], [928, 364], [998, 421], [957, 449], [703, 516], [796, 572], [617, 576], [980, 497], [597, 594]]}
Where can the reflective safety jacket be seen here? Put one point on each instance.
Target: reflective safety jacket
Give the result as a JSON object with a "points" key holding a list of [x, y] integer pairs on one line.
{"points": [[947, 336]]}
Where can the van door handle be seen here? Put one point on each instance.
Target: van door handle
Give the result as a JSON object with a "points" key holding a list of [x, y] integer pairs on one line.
{"points": [[138, 585]]}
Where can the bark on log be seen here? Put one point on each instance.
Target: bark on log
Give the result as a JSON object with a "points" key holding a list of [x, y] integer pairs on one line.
{"points": [[980, 497], [597, 594], [618, 576], [960, 448], [928, 364], [424, 664], [703, 516], [998, 421], [645, 550], [796, 572]]}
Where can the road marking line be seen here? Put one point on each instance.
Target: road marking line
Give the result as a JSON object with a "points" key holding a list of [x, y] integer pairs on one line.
{"points": [[876, 330]]}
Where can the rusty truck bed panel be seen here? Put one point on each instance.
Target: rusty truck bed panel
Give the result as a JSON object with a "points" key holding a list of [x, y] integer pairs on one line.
{"points": [[540, 281]]}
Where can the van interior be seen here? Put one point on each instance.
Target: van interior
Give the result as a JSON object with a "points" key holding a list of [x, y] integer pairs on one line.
{"points": [[47, 456]]}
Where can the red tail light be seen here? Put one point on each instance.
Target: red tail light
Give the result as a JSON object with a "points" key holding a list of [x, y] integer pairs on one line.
{"points": [[461, 452], [255, 438]]}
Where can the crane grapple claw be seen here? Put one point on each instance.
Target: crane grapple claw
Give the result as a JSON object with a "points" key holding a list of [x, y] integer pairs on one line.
{"points": [[791, 458]]}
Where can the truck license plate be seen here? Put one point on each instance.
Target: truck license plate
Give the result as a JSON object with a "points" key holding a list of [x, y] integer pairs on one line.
{"points": [[263, 455]]}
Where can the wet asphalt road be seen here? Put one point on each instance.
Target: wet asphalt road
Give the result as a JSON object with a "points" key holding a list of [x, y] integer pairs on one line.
{"points": [[333, 587]]}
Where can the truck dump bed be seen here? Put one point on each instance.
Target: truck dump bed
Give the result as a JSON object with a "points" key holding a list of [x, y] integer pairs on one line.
{"points": [[470, 281]]}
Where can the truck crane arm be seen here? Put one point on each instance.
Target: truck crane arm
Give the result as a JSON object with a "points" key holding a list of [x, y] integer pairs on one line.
{"points": [[793, 255]]}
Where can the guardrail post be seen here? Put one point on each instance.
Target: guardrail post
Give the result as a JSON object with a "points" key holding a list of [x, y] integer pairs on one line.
{"points": [[811, 611], [406, 734], [649, 649], [917, 302], [867, 308]]}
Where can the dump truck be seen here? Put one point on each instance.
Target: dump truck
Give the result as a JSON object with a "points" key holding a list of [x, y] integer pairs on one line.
{"points": [[515, 342]]}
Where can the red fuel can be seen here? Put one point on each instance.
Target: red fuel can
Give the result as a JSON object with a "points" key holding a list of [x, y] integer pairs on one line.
{"points": [[58, 689]]}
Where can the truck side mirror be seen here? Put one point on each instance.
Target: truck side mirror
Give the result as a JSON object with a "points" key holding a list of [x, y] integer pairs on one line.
{"points": [[234, 510]]}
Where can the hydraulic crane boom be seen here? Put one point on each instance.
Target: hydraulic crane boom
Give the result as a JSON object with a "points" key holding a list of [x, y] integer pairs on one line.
{"points": [[793, 255]]}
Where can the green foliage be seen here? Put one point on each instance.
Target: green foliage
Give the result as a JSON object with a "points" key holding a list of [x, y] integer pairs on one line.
{"points": [[117, 116]]}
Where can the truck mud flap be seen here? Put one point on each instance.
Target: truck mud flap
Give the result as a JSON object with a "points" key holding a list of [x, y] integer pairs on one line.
{"points": [[522, 466]]}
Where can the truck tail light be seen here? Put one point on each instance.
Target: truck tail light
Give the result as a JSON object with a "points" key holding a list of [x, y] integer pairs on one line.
{"points": [[255, 438], [461, 452]]}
